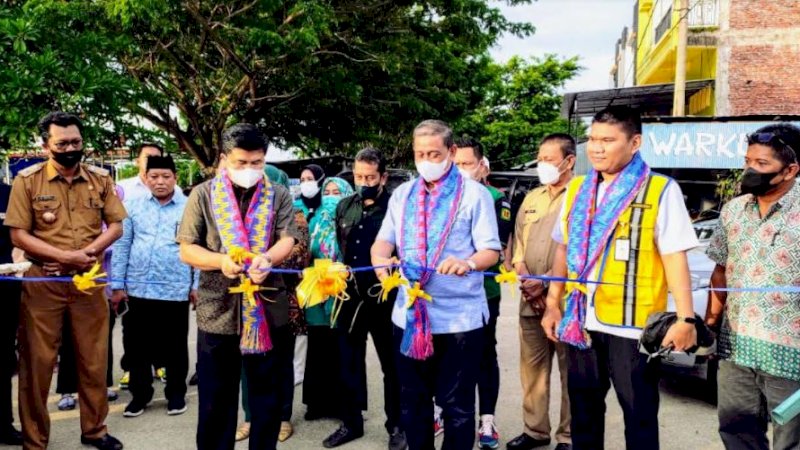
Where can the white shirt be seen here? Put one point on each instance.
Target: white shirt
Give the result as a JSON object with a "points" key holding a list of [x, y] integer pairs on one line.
{"points": [[134, 188], [674, 233]]}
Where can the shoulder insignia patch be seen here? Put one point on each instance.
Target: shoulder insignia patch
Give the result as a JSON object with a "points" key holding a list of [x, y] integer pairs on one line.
{"points": [[28, 171], [505, 214], [98, 170]]}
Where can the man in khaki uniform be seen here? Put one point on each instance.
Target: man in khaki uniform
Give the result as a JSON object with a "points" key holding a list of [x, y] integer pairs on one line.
{"points": [[55, 213], [533, 254]]}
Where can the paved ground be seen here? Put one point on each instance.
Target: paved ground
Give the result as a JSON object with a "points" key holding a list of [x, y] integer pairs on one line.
{"points": [[686, 421]]}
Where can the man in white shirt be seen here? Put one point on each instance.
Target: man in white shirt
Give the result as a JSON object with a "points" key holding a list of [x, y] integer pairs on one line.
{"points": [[135, 187], [627, 227]]}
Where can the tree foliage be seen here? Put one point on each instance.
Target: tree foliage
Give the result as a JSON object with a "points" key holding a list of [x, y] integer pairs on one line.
{"points": [[51, 60], [521, 105], [320, 76]]}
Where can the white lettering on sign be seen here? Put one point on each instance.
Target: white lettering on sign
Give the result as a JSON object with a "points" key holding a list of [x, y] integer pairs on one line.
{"points": [[698, 144]]}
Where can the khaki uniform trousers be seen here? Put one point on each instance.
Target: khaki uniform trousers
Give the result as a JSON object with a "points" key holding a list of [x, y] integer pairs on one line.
{"points": [[536, 364], [44, 307]]}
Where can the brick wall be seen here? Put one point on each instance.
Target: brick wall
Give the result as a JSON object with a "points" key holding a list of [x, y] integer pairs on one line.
{"points": [[746, 14], [763, 59]]}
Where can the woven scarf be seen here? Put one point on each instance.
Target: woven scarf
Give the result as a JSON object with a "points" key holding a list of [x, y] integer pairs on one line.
{"points": [[427, 220], [253, 234], [590, 228]]}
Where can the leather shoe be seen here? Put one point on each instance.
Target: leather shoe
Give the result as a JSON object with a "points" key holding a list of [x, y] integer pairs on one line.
{"points": [[11, 436], [525, 442], [107, 442], [564, 446], [342, 436]]}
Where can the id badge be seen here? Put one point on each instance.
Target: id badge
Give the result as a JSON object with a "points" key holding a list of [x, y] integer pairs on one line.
{"points": [[622, 250]]}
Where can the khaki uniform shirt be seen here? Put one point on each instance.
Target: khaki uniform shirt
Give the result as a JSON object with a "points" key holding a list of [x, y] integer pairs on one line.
{"points": [[68, 216], [533, 244]]}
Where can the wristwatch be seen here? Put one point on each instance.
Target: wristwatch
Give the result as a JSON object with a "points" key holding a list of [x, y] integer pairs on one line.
{"points": [[472, 265], [691, 320]]}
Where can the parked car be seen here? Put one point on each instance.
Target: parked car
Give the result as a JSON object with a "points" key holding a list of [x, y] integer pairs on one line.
{"points": [[700, 267], [515, 185]]}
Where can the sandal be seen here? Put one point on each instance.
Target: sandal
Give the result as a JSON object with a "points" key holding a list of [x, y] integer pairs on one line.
{"points": [[243, 432], [286, 431]]}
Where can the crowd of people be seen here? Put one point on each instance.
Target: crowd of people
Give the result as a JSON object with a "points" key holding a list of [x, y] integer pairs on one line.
{"points": [[596, 255]]}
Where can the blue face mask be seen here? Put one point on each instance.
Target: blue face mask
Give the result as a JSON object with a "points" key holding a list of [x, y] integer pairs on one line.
{"points": [[331, 200]]}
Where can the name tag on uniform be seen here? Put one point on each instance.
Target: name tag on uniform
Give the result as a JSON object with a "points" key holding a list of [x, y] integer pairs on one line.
{"points": [[45, 198], [622, 250]]}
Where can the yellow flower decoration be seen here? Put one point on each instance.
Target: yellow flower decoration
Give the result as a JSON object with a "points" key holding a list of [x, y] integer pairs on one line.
{"points": [[248, 289], [240, 255], [390, 283], [414, 293], [509, 277], [573, 285], [87, 280], [322, 280]]}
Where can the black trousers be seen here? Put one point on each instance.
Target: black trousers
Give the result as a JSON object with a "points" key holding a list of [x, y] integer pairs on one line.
{"points": [[320, 392], [489, 377], [157, 327], [67, 380], [9, 322], [287, 388], [377, 320], [220, 363], [616, 360], [450, 375]]}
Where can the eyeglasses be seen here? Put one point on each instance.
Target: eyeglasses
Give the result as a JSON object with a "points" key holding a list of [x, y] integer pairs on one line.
{"points": [[77, 144], [766, 138]]}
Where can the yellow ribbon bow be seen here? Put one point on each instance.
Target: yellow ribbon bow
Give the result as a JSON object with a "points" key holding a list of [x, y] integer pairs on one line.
{"points": [[390, 283], [322, 280], [573, 285], [414, 293], [86, 280], [247, 289], [240, 255], [509, 277]]}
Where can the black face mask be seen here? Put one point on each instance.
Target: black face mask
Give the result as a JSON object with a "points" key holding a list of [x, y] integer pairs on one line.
{"points": [[369, 192], [758, 183], [68, 159]]}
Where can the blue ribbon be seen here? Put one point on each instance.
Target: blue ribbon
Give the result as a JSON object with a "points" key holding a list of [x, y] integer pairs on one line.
{"points": [[781, 289]]}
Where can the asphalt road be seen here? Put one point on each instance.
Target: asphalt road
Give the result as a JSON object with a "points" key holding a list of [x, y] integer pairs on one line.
{"points": [[686, 421]]}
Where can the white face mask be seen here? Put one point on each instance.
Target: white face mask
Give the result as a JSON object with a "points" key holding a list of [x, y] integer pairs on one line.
{"points": [[548, 173], [309, 189], [471, 174], [430, 171], [246, 177]]}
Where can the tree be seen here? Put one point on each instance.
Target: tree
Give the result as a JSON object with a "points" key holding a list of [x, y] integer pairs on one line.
{"points": [[45, 65], [521, 105], [321, 76]]}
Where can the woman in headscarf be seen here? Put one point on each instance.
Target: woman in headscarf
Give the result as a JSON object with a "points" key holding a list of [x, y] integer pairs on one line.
{"points": [[322, 362], [311, 179]]}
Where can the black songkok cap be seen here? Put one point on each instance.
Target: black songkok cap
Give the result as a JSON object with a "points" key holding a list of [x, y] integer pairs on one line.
{"points": [[160, 162]]}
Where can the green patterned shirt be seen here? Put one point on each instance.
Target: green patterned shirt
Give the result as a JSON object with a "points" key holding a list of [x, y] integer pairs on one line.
{"points": [[761, 330]]}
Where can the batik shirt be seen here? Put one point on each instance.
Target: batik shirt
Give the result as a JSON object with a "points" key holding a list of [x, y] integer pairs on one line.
{"points": [[761, 330]]}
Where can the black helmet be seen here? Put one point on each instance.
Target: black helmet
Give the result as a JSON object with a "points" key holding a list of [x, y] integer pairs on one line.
{"points": [[656, 328]]}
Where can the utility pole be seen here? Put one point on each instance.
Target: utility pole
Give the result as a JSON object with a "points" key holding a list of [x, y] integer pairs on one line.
{"points": [[679, 100]]}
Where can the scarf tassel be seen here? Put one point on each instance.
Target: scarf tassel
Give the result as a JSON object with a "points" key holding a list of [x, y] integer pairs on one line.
{"points": [[571, 329], [417, 337], [255, 330]]}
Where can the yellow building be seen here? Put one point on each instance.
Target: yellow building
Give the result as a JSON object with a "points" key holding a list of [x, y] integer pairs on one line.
{"points": [[657, 43]]}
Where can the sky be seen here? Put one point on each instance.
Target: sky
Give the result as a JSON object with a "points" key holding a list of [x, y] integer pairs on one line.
{"points": [[588, 29]]}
